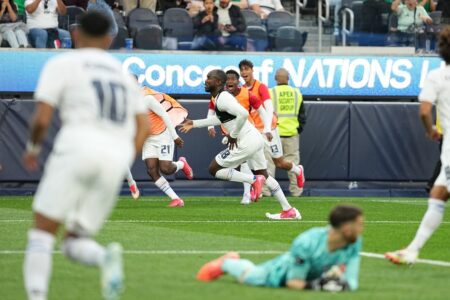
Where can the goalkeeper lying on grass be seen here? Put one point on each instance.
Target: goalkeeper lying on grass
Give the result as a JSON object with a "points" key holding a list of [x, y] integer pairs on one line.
{"points": [[322, 258]]}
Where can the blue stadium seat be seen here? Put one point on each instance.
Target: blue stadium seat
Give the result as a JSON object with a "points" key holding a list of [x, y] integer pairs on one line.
{"points": [[139, 18], [178, 24], [251, 18], [119, 40], [149, 38], [256, 38], [288, 39], [71, 17]]}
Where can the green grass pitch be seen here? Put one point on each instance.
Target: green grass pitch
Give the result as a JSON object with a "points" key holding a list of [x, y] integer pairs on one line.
{"points": [[165, 248]]}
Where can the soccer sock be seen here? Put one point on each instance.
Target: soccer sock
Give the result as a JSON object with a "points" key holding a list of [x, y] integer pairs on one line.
{"points": [[295, 169], [246, 169], [237, 267], [130, 178], [233, 175], [430, 222], [276, 190], [83, 250], [37, 266], [179, 165], [164, 186]]}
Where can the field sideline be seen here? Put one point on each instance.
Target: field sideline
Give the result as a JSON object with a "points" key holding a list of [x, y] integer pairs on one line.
{"points": [[165, 247]]}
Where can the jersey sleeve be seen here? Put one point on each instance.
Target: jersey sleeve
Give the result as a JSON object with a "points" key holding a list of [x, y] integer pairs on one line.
{"points": [[263, 92], [301, 253], [352, 267], [51, 83], [255, 102], [430, 89]]}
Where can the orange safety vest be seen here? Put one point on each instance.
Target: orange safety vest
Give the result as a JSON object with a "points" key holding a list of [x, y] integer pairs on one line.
{"points": [[177, 113], [259, 124]]}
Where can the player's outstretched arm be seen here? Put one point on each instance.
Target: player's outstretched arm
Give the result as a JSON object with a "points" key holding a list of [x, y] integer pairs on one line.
{"points": [[187, 125], [141, 131], [41, 122]]}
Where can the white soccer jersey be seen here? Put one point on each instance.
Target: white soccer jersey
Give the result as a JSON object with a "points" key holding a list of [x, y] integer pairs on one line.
{"points": [[97, 101], [437, 91]]}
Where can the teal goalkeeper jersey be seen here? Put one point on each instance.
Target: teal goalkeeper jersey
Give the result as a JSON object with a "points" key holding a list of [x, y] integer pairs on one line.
{"points": [[309, 258]]}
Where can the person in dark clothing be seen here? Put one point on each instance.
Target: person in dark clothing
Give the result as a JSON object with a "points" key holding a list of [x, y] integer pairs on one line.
{"points": [[207, 27], [232, 26]]}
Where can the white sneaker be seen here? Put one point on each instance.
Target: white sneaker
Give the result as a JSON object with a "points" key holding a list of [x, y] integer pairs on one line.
{"points": [[246, 199], [112, 272], [134, 191], [402, 257]]}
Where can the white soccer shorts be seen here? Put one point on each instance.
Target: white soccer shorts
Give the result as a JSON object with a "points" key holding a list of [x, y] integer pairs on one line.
{"points": [[274, 146], [159, 146]]}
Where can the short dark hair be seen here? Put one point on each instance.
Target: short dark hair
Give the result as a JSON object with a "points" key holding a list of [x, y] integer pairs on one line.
{"points": [[95, 24], [444, 44], [219, 74], [245, 63], [342, 214], [233, 72]]}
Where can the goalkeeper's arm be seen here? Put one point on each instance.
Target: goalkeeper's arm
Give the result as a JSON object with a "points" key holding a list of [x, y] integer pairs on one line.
{"points": [[296, 284]]}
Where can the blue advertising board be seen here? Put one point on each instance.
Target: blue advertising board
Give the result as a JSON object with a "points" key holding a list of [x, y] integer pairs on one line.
{"points": [[184, 72]]}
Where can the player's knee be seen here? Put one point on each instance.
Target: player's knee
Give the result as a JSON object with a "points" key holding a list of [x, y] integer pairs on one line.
{"points": [[167, 169], [439, 192]]}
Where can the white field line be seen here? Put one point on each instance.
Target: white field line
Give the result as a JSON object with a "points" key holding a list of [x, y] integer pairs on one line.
{"points": [[244, 252], [230, 221]]}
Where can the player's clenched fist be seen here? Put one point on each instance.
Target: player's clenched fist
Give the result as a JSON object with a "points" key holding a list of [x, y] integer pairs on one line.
{"points": [[179, 142]]}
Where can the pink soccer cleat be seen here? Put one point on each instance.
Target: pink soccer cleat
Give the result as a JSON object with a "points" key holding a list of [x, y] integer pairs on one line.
{"points": [[134, 191], [213, 270], [290, 214], [187, 170], [257, 187], [301, 177], [176, 203]]}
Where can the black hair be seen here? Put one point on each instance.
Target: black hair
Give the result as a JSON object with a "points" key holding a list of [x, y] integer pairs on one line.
{"points": [[444, 44], [219, 74], [233, 72], [245, 63], [342, 214], [95, 24]]}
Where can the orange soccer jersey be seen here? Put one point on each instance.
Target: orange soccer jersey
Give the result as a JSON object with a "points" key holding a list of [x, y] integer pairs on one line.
{"points": [[177, 113], [261, 91]]}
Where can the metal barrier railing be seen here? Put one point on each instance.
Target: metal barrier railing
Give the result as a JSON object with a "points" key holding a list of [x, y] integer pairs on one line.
{"points": [[298, 5], [322, 18], [347, 12]]}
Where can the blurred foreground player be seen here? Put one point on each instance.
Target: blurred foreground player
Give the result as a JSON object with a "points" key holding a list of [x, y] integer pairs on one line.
{"points": [[245, 144], [322, 258], [436, 91], [103, 124]]}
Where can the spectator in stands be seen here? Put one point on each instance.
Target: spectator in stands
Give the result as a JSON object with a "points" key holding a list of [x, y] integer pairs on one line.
{"points": [[10, 29], [264, 7], [80, 3], [411, 19], [20, 8], [102, 7], [207, 28], [129, 5], [42, 22], [232, 26]]}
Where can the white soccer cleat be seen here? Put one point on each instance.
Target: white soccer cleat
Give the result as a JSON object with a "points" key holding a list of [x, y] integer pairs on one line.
{"points": [[290, 214], [134, 191], [246, 200], [112, 272], [402, 257]]}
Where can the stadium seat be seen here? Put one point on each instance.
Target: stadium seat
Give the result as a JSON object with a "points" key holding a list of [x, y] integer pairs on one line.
{"points": [[251, 18], [149, 38], [119, 40], [139, 18], [276, 20], [178, 24], [436, 26], [119, 19], [256, 38], [288, 39], [71, 17]]}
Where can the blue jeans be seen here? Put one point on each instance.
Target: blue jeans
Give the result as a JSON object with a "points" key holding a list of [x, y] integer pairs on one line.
{"points": [[38, 37]]}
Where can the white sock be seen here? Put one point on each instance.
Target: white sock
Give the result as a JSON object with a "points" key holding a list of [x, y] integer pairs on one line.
{"points": [[233, 175], [130, 178], [37, 267], [247, 186], [276, 190], [83, 250], [430, 222], [179, 165], [164, 186], [295, 169]]}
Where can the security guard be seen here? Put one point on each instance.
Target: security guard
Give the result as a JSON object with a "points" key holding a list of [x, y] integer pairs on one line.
{"points": [[288, 105]]}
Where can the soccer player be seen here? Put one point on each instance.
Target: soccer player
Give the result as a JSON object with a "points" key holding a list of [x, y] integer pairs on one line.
{"points": [[272, 141], [322, 258], [103, 125], [249, 102], [436, 91], [245, 144], [159, 147]]}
